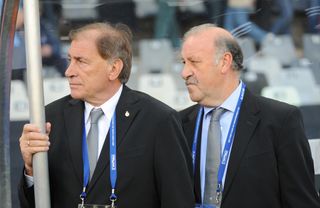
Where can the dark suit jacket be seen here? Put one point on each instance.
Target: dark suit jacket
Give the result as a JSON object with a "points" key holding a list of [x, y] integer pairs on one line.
{"points": [[270, 165], [152, 157]]}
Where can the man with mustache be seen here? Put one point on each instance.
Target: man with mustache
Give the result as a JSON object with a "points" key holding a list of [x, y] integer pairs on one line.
{"points": [[248, 151]]}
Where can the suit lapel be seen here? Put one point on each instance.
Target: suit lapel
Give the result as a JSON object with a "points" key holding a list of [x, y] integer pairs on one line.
{"points": [[247, 123], [73, 116], [189, 125], [126, 111]]}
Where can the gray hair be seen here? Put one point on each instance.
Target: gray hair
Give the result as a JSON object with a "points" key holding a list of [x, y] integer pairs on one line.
{"points": [[223, 44]]}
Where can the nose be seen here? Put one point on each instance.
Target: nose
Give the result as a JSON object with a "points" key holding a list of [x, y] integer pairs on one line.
{"points": [[70, 70], [186, 72]]}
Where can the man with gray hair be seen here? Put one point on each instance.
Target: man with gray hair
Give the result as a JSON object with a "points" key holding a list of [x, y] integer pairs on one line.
{"points": [[248, 151]]}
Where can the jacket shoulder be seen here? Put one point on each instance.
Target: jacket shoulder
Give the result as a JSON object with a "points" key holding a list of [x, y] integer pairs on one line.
{"points": [[150, 103], [186, 113]]}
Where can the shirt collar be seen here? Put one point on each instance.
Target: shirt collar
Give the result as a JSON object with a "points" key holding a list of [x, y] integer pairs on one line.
{"points": [[108, 107]]}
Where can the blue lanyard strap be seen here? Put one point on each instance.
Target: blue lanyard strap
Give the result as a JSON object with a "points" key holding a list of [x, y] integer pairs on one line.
{"points": [[113, 161], [195, 137], [227, 147], [86, 167], [226, 151]]}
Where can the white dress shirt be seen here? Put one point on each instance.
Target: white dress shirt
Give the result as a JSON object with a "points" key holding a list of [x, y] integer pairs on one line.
{"points": [[108, 109]]}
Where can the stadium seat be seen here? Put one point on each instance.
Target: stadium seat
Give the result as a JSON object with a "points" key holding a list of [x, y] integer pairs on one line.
{"points": [[248, 48], [296, 76], [55, 88], [268, 65], [286, 94], [145, 8], [315, 67], [79, 10], [182, 100], [19, 104], [302, 79], [280, 47], [311, 47], [315, 149], [255, 81], [311, 118], [176, 70], [156, 55], [160, 86]]}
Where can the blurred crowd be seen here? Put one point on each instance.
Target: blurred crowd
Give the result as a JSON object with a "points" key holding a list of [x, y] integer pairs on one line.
{"points": [[258, 19]]}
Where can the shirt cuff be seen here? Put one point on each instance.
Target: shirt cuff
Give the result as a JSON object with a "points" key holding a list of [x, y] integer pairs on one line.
{"points": [[29, 180]]}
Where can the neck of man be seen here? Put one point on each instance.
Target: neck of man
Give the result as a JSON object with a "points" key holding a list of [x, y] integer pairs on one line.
{"points": [[103, 97], [227, 87]]}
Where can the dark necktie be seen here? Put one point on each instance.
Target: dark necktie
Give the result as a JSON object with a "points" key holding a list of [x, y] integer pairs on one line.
{"points": [[212, 157], [92, 139]]}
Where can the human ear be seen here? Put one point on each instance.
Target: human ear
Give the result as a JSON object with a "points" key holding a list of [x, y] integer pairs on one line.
{"points": [[116, 69], [226, 62]]}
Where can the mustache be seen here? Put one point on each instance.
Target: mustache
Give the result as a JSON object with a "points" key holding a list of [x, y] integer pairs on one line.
{"points": [[191, 80]]}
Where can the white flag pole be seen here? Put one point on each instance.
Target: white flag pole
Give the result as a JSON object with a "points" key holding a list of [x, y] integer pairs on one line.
{"points": [[36, 100]]}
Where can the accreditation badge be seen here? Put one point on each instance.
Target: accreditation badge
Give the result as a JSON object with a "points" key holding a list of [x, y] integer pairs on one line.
{"points": [[95, 206], [205, 206]]}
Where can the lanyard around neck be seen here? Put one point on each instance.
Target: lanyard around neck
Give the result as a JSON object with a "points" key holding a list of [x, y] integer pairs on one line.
{"points": [[112, 158], [227, 147]]}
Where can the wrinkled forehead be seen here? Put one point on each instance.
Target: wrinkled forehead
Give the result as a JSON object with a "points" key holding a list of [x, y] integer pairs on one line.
{"points": [[83, 46], [89, 35], [197, 44]]}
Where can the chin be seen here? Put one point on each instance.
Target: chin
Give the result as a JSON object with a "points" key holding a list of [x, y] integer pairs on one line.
{"points": [[194, 98], [76, 96]]}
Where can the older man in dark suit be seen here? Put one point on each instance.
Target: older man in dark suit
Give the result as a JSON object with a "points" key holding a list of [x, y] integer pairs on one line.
{"points": [[138, 156], [263, 157]]}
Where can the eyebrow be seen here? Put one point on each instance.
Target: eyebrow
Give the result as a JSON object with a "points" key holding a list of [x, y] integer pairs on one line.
{"points": [[77, 57], [194, 58]]}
